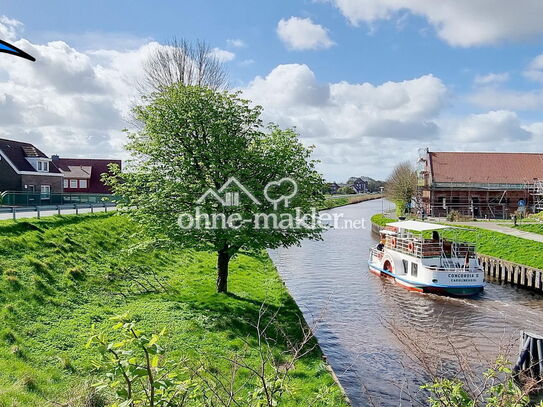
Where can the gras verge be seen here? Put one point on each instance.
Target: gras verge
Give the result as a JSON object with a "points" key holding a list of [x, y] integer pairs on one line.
{"points": [[496, 244], [334, 202], [531, 227], [61, 275]]}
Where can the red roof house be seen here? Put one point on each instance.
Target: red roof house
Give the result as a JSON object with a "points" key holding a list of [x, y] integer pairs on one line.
{"points": [[481, 185], [83, 175]]}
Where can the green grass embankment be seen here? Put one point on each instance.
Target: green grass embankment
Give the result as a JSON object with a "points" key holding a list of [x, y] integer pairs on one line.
{"points": [[334, 202], [510, 248], [533, 228], [59, 276]]}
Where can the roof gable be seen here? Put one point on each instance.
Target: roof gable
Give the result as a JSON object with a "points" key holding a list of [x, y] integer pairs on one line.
{"points": [[17, 152]]}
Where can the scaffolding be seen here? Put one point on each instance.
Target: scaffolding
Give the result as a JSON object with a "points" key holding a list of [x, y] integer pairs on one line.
{"points": [[536, 191]]}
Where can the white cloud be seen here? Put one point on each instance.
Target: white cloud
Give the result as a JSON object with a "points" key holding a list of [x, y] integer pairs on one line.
{"points": [[236, 43], [358, 128], [9, 28], [247, 62], [223, 55], [493, 98], [459, 22], [70, 102], [364, 128], [535, 69], [491, 78], [494, 126], [302, 33]]}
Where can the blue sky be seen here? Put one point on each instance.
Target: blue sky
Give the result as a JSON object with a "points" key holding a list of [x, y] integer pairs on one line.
{"points": [[367, 81]]}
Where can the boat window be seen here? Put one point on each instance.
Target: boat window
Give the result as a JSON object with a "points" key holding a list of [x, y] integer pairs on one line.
{"points": [[405, 266], [414, 269]]}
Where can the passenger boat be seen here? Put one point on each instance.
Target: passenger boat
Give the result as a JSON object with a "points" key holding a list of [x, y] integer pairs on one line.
{"points": [[422, 263]]}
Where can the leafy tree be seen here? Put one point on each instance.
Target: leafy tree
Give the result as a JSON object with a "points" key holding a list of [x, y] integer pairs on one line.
{"points": [[346, 190], [194, 138], [401, 186]]}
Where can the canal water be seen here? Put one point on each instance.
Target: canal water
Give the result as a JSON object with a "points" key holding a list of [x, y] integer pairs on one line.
{"points": [[373, 331]]}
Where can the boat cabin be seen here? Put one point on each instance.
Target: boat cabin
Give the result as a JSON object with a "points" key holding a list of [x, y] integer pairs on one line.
{"points": [[424, 241]]}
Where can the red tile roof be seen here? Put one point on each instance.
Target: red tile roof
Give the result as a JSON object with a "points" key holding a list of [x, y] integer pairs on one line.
{"points": [[98, 168], [486, 168]]}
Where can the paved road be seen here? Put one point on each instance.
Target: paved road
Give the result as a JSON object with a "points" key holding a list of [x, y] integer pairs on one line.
{"points": [[503, 229], [26, 215]]}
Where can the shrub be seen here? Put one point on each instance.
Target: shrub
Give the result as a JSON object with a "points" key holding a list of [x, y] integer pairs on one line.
{"points": [[28, 383], [38, 265], [75, 273], [9, 336], [17, 351], [66, 363], [10, 276]]}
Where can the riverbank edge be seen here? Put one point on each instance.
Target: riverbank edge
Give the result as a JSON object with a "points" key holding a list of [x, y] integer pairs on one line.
{"points": [[499, 269], [350, 201]]}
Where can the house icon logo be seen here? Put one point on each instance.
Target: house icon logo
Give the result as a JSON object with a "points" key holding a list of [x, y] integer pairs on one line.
{"points": [[226, 197]]}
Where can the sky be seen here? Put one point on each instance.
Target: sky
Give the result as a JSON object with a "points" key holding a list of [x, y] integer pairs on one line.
{"points": [[367, 82]]}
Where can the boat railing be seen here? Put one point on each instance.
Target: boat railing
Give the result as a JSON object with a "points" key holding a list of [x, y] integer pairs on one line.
{"points": [[424, 248]]}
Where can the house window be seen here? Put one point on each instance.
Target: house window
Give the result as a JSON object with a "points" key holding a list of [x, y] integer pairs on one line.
{"points": [[65, 183], [43, 166], [73, 183], [83, 183], [45, 191], [414, 269]]}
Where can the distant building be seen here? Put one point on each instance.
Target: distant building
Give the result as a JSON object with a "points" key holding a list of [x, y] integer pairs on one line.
{"points": [[83, 175], [360, 185], [481, 185], [24, 168], [332, 188]]}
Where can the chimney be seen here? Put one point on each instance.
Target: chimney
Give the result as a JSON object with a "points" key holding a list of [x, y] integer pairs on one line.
{"points": [[55, 157]]}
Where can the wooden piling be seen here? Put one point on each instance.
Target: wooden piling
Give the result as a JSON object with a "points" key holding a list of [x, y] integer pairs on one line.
{"points": [[512, 273]]}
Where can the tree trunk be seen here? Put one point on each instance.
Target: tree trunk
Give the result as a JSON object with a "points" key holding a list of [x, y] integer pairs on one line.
{"points": [[222, 271]]}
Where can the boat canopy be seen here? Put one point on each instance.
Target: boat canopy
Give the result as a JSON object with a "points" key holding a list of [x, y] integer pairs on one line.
{"points": [[418, 226]]}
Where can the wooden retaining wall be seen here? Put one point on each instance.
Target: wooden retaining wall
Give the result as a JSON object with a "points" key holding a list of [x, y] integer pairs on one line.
{"points": [[513, 273], [503, 271]]}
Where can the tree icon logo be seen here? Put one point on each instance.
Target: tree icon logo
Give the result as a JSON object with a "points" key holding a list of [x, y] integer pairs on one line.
{"points": [[293, 190]]}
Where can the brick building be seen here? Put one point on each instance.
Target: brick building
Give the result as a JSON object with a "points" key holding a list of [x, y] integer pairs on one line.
{"points": [[27, 171], [481, 185], [24, 168], [83, 175]]}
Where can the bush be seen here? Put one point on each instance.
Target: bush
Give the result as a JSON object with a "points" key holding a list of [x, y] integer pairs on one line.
{"points": [[499, 389], [75, 273]]}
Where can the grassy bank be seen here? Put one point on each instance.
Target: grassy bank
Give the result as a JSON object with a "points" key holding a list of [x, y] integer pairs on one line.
{"points": [[510, 248], [61, 275], [334, 202], [534, 228]]}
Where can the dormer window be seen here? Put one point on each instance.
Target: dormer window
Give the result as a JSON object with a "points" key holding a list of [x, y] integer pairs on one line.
{"points": [[43, 166]]}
